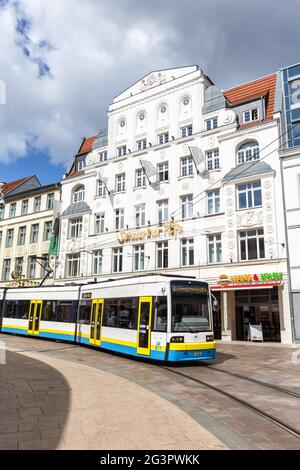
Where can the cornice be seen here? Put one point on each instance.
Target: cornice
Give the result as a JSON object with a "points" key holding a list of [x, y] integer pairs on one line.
{"points": [[248, 130]]}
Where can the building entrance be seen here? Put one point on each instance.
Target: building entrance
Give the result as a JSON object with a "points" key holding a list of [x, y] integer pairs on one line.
{"points": [[255, 306]]}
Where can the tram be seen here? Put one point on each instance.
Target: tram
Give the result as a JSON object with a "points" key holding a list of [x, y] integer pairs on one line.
{"points": [[161, 317]]}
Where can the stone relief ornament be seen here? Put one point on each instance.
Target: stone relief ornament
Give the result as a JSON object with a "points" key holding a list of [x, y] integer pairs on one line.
{"points": [[229, 201], [268, 195], [230, 223], [226, 116], [271, 252], [270, 229], [230, 212], [269, 217], [120, 166], [249, 218], [211, 141], [231, 245], [270, 240], [152, 80], [231, 255], [229, 191], [230, 234], [267, 184], [90, 159], [268, 207]]}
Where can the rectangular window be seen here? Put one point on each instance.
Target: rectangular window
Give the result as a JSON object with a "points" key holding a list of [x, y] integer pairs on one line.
{"points": [[73, 265], [75, 228], [101, 189], [120, 182], [186, 166], [97, 261], [50, 201], [186, 131], [9, 238], [212, 159], [140, 178], [34, 235], [162, 254], [186, 206], [249, 195], [162, 211], [252, 244], [211, 123], [213, 202], [19, 265], [37, 204], [163, 138], [31, 267], [102, 157], [187, 252], [141, 144], [2, 208], [47, 230], [139, 257], [214, 248], [119, 219], [24, 207], [121, 151], [117, 260], [140, 215], [251, 115], [80, 165], [121, 312], [12, 209], [22, 236], [163, 171], [99, 223], [6, 270]]}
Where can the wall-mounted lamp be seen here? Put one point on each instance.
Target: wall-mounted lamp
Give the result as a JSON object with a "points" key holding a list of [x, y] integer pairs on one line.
{"points": [[106, 229], [149, 223], [127, 226], [173, 138]]}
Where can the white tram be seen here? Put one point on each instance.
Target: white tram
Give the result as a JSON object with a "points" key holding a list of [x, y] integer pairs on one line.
{"points": [[162, 317]]}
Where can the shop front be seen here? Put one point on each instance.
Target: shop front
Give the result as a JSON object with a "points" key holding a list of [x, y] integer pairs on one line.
{"points": [[249, 299]]}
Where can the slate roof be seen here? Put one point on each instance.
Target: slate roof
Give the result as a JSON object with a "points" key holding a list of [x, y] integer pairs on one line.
{"points": [[77, 208]]}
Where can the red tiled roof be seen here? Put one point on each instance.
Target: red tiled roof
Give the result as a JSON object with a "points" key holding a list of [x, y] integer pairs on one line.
{"points": [[86, 145], [253, 90], [7, 187]]}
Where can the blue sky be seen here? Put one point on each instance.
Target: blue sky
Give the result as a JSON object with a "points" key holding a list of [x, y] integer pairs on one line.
{"points": [[63, 64]]}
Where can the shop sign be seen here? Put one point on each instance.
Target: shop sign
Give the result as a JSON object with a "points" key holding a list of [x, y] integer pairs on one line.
{"points": [[22, 283], [171, 228], [255, 333], [224, 280]]}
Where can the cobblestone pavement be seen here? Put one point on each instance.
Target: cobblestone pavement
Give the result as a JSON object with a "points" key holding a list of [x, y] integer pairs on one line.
{"points": [[60, 396]]}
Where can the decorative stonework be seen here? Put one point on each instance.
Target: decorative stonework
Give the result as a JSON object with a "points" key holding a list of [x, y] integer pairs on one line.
{"points": [[229, 201], [270, 229], [185, 186], [230, 222], [230, 234], [120, 166], [231, 245], [226, 116], [268, 195], [269, 218], [90, 159], [229, 191], [230, 212], [268, 207], [249, 218], [212, 141], [152, 80]]}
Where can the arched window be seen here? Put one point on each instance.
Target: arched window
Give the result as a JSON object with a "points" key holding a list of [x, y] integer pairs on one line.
{"points": [[79, 193], [247, 152]]}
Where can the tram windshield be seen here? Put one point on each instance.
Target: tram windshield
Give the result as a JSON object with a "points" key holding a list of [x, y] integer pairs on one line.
{"points": [[190, 306]]}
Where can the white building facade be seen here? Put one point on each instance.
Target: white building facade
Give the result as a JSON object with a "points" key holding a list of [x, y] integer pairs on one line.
{"points": [[185, 180]]}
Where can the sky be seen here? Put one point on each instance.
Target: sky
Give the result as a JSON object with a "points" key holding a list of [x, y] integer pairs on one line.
{"points": [[63, 61]]}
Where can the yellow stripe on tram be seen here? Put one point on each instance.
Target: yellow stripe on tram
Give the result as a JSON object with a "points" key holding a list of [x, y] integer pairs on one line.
{"points": [[192, 346]]}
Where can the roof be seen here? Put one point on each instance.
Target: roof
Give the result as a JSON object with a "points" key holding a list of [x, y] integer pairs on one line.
{"points": [[247, 169], [265, 86], [77, 208], [8, 187], [87, 144]]}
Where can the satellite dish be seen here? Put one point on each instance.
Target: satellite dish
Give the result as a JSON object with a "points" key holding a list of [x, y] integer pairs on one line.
{"points": [[16, 274]]}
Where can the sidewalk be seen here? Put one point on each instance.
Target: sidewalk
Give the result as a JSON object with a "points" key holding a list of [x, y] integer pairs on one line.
{"points": [[50, 403]]}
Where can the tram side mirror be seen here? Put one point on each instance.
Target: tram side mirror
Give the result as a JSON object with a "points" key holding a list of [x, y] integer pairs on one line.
{"points": [[215, 305]]}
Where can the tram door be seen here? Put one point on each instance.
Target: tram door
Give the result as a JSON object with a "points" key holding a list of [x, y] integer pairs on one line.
{"points": [[34, 317], [96, 321], [144, 326]]}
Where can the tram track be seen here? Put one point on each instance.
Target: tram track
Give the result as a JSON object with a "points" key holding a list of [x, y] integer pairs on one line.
{"points": [[274, 420]]}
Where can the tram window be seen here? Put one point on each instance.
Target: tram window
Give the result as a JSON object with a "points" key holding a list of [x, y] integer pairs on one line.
{"points": [[49, 308], [121, 312], [160, 314], [85, 312], [17, 309], [64, 311]]}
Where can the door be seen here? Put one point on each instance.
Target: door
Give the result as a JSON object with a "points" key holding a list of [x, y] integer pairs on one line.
{"points": [[34, 317], [144, 326], [96, 321]]}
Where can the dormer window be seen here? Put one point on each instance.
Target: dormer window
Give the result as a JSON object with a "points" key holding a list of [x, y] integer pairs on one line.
{"points": [[80, 165], [79, 194], [250, 115], [247, 152]]}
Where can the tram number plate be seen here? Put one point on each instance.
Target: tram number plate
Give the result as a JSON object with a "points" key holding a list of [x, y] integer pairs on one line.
{"points": [[197, 353]]}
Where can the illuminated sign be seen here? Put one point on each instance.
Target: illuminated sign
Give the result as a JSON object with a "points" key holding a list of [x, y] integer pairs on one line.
{"points": [[22, 283], [250, 278], [171, 228]]}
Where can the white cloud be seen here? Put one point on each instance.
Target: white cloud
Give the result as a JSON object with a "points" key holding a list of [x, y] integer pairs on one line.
{"points": [[87, 56]]}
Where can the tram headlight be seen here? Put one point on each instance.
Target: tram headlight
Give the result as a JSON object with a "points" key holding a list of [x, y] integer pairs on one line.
{"points": [[209, 337], [177, 339]]}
